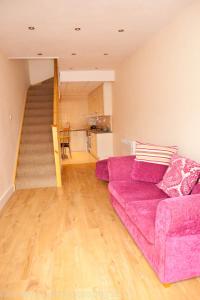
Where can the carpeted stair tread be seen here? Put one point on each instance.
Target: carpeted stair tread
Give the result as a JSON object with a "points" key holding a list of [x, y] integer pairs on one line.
{"points": [[36, 165]]}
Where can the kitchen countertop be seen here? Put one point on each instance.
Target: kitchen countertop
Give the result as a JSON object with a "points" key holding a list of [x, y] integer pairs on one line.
{"points": [[78, 129], [99, 131], [87, 130]]}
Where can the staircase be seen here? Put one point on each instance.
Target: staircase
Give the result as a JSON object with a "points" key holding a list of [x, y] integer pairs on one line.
{"points": [[36, 166]]}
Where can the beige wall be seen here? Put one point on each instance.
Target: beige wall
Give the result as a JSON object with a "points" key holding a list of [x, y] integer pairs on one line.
{"points": [[13, 87], [74, 109], [157, 89], [40, 70]]}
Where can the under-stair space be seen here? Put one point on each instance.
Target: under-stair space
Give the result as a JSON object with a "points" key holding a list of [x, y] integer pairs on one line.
{"points": [[36, 166]]}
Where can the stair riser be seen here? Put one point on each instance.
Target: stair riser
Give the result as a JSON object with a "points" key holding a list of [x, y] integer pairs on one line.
{"points": [[39, 105], [36, 170], [40, 93], [41, 86], [38, 120], [38, 112], [40, 159], [29, 130], [36, 139], [23, 183], [40, 99], [29, 149]]}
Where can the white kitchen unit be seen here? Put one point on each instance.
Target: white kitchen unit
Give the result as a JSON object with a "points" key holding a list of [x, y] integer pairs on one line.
{"points": [[101, 145]]}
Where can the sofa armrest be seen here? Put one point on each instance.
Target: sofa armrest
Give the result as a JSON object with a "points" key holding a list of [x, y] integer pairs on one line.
{"points": [[120, 167], [178, 216], [177, 236]]}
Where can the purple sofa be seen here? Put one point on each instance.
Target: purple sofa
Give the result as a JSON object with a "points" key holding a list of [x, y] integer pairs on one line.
{"points": [[167, 230]]}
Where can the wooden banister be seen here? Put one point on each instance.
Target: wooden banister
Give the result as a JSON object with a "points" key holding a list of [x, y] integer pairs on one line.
{"points": [[55, 127], [55, 95]]}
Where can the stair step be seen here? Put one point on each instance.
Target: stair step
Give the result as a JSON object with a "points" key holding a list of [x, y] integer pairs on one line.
{"points": [[39, 112], [36, 158], [36, 138], [33, 148], [40, 92], [25, 182], [41, 86], [39, 105], [32, 170], [40, 99], [38, 120], [31, 129]]}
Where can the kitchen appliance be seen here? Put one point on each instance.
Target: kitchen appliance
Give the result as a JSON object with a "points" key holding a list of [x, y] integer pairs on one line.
{"points": [[88, 141]]}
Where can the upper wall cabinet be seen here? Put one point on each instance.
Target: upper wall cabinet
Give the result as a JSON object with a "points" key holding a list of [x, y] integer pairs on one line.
{"points": [[100, 100], [95, 101]]}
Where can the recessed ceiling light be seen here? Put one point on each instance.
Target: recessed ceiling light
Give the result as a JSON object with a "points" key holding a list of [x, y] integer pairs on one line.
{"points": [[105, 54], [40, 54], [31, 28], [121, 30], [77, 28], [74, 53]]}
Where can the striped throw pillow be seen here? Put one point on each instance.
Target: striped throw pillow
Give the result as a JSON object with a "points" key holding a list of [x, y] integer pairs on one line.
{"points": [[154, 153]]}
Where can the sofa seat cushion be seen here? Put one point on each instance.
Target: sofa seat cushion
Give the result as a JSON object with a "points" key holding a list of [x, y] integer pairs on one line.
{"points": [[143, 215], [126, 191]]}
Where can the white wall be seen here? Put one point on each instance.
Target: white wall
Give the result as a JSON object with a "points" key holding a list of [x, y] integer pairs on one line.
{"points": [[13, 86], [40, 70], [157, 89], [74, 109], [90, 75]]}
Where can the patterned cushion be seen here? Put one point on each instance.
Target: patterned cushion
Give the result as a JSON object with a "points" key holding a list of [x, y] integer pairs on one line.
{"points": [[154, 153], [180, 177]]}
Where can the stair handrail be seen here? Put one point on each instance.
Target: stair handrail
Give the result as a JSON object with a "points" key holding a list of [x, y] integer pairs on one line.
{"points": [[55, 126]]}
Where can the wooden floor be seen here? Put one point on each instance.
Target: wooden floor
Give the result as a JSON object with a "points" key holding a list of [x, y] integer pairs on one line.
{"points": [[79, 158], [68, 244]]}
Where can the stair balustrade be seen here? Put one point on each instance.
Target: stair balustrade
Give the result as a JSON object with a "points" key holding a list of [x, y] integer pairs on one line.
{"points": [[55, 127]]}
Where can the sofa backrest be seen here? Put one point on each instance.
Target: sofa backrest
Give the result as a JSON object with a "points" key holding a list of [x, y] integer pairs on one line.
{"points": [[196, 189]]}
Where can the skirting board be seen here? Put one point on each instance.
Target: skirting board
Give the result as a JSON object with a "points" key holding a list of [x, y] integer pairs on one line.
{"points": [[6, 196]]}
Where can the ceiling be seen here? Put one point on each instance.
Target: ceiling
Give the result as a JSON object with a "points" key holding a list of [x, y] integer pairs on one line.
{"points": [[99, 20], [78, 88]]}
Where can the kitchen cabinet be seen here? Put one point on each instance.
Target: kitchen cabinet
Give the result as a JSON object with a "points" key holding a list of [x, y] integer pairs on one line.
{"points": [[95, 101], [101, 145], [100, 100]]}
